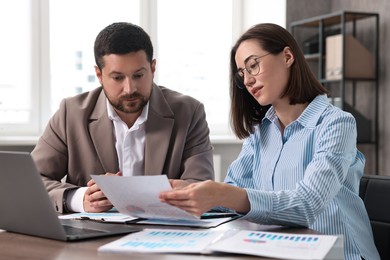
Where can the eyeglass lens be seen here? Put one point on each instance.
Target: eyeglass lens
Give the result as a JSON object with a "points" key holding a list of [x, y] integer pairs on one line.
{"points": [[251, 66]]}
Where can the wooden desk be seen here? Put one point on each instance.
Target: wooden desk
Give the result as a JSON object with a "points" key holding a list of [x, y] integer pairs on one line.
{"points": [[17, 246]]}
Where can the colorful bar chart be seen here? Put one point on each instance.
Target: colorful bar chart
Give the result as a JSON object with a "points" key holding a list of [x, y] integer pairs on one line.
{"points": [[164, 240], [168, 239]]}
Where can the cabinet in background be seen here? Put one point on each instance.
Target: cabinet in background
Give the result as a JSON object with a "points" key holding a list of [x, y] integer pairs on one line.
{"points": [[342, 50]]}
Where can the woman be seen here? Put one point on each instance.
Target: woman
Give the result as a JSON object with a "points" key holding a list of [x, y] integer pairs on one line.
{"points": [[299, 165]]}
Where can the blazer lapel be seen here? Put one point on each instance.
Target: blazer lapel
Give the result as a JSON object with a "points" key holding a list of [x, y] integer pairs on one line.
{"points": [[101, 131], [158, 132]]}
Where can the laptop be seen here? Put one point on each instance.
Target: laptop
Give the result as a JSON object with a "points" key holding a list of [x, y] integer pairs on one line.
{"points": [[27, 209]]}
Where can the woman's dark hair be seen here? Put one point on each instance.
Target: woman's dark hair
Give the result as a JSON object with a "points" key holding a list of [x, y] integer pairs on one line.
{"points": [[121, 38], [302, 87]]}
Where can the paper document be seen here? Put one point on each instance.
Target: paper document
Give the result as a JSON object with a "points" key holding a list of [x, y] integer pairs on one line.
{"points": [[276, 245], [258, 243], [115, 217], [137, 196], [203, 223], [112, 217], [163, 241]]}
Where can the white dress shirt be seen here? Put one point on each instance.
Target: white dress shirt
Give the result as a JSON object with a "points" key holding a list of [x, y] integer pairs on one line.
{"points": [[130, 148], [130, 142]]}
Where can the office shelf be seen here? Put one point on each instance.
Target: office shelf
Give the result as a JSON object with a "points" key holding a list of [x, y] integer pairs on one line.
{"points": [[332, 45]]}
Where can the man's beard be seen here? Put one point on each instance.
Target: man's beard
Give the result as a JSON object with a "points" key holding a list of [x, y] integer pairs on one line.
{"points": [[130, 106]]}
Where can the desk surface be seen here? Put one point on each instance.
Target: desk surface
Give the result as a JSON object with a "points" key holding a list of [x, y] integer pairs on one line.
{"points": [[17, 246]]}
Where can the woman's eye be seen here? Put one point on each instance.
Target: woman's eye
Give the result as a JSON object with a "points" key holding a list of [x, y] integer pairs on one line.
{"points": [[253, 65]]}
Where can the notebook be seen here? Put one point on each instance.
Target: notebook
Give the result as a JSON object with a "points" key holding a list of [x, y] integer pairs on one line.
{"points": [[27, 209]]}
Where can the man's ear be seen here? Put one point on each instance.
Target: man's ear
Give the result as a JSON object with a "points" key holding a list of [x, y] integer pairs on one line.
{"points": [[153, 65], [98, 73], [288, 56]]}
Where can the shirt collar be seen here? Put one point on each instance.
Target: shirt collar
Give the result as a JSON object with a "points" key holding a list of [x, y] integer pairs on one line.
{"points": [[310, 115]]}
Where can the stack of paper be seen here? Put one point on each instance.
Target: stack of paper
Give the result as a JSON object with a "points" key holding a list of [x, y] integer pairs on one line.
{"points": [[137, 200], [115, 217]]}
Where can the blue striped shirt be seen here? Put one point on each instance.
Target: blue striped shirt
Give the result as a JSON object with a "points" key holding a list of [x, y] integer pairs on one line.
{"points": [[307, 177]]}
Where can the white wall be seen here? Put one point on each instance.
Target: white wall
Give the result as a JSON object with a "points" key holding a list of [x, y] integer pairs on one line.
{"points": [[264, 11], [256, 11]]}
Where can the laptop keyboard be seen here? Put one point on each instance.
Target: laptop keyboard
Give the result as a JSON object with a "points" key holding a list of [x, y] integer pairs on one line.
{"points": [[69, 230]]}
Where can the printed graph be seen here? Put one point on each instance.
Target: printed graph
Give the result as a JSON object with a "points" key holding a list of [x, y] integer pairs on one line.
{"points": [[168, 239], [164, 240]]}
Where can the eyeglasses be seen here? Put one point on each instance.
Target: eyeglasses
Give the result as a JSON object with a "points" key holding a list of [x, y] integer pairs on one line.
{"points": [[252, 66]]}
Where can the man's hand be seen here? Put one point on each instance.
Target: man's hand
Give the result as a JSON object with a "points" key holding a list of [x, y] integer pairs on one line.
{"points": [[94, 198]]}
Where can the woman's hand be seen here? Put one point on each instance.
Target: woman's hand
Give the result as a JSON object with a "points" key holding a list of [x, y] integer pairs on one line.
{"points": [[178, 184], [197, 198]]}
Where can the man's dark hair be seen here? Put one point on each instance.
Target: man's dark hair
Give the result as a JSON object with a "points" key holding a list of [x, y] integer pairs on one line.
{"points": [[121, 38]]}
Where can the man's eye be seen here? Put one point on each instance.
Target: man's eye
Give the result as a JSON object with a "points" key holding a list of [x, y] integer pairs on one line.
{"points": [[118, 78], [138, 75]]}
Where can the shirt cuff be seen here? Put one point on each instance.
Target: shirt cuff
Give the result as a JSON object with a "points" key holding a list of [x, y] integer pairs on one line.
{"points": [[261, 203], [75, 199]]}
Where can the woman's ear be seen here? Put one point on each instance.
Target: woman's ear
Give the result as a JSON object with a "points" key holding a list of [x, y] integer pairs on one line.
{"points": [[288, 56]]}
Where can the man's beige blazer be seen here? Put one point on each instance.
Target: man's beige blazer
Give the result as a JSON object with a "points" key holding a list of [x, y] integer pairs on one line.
{"points": [[79, 141]]}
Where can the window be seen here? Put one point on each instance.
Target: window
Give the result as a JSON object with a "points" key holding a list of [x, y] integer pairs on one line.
{"points": [[19, 70], [193, 53], [72, 36], [49, 51]]}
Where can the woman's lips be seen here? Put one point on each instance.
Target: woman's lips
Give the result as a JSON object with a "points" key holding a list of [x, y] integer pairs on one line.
{"points": [[256, 91]]}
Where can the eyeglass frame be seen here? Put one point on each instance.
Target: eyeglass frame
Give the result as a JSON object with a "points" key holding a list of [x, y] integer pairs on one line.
{"points": [[248, 70]]}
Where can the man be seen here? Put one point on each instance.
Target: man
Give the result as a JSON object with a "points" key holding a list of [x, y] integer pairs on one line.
{"points": [[128, 126]]}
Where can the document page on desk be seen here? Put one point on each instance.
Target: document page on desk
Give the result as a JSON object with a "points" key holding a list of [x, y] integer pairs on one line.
{"points": [[137, 196], [276, 245], [265, 244], [116, 217], [110, 217], [164, 241]]}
